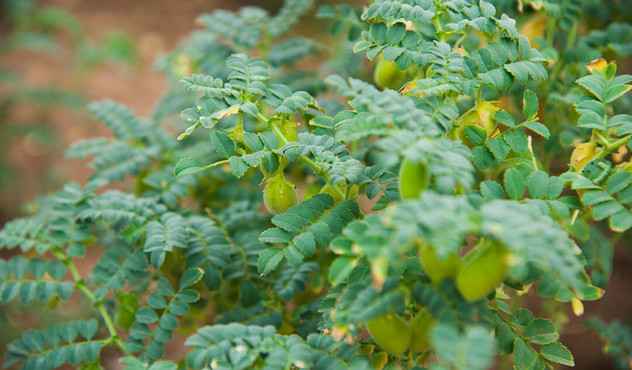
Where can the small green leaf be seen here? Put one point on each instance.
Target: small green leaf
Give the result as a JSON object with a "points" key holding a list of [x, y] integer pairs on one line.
{"points": [[146, 315], [56, 269], [538, 182], [492, 190], [526, 357], [293, 255], [606, 209], [615, 92], [248, 293], [530, 105], [541, 331], [269, 259], [340, 269], [161, 335], [134, 345], [156, 301], [269, 139], [275, 235], [514, 183], [504, 118], [188, 296], [305, 243], [517, 140], [505, 339], [188, 166], [155, 350], [538, 128], [618, 182], [37, 267], [164, 287], [482, 157], [555, 187], [238, 166], [498, 147], [395, 33], [556, 352], [595, 84], [222, 144], [168, 321], [475, 134], [621, 221], [191, 115], [253, 141], [140, 331], [190, 277], [249, 108], [378, 33], [179, 308]]}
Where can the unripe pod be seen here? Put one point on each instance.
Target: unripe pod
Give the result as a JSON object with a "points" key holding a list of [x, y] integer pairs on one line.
{"points": [[289, 131], [387, 74], [420, 328], [413, 178], [439, 269], [481, 116], [279, 195], [391, 332], [483, 269], [379, 360], [126, 310]]}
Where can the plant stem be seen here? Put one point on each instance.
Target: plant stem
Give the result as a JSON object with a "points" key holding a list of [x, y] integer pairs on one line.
{"points": [[610, 147], [216, 164], [307, 161], [107, 319], [530, 146], [519, 335]]}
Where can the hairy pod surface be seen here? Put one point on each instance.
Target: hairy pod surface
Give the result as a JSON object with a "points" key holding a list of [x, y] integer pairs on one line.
{"points": [[479, 116], [379, 360], [391, 332], [279, 195], [126, 310], [439, 269], [388, 75], [413, 178], [420, 331], [483, 269]]}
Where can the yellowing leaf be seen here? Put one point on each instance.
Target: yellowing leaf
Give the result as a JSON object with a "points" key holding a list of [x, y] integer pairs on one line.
{"points": [[583, 153], [597, 66]]}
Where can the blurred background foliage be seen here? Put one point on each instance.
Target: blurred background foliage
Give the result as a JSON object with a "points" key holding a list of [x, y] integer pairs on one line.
{"points": [[55, 56]]}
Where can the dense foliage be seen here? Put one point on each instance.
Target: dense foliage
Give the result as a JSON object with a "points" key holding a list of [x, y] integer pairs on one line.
{"points": [[309, 218]]}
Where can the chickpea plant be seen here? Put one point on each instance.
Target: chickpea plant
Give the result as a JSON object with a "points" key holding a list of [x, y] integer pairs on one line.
{"points": [[309, 218]]}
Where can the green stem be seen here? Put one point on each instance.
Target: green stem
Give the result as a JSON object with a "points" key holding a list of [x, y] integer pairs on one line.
{"points": [[602, 140], [617, 144], [572, 34], [550, 31], [114, 338], [530, 146], [613, 146], [216, 164], [307, 161], [519, 335]]}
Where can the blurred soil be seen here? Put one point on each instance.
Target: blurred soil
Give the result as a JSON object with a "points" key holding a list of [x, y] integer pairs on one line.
{"points": [[156, 27]]}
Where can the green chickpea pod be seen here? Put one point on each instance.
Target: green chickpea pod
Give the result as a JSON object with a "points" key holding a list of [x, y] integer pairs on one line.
{"points": [[279, 194]]}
